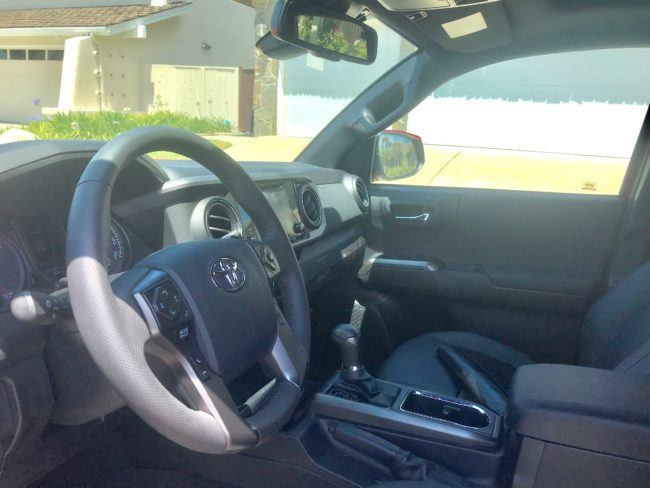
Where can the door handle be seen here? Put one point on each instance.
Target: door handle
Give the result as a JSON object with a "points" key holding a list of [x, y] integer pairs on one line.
{"points": [[423, 218]]}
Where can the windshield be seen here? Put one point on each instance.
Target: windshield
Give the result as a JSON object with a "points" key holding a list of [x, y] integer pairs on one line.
{"points": [[186, 64]]}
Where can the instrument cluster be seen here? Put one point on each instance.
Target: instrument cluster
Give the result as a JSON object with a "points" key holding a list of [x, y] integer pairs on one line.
{"points": [[32, 256]]}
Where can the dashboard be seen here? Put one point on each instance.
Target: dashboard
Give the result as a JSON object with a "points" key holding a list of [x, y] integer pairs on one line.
{"points": [[161, 203]]}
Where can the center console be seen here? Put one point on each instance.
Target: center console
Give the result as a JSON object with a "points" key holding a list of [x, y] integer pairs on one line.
{"points": [[580, 427], [465, 436], [564, 425]]}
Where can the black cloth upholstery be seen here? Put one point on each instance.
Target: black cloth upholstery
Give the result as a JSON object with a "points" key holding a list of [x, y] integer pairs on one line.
{"points": [[615, 334], [416, 363], [411, 484], [618, 325]]}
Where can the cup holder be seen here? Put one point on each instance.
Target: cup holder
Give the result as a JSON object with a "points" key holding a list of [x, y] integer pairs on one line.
{"points": [[457, 412]]}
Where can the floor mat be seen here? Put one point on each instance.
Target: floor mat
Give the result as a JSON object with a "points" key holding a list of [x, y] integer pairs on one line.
{"points": [[141, 478], [135, 478], [106, 464]]}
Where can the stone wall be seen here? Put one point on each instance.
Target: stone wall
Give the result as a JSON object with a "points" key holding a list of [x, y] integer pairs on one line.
{"points": [[265, 92]]}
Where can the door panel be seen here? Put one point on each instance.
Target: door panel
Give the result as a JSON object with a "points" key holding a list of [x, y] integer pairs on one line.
{"points": [[507, 223], [517, 266]]}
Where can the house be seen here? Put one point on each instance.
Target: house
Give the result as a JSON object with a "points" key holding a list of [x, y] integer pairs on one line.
{"points": [[126, 55]]}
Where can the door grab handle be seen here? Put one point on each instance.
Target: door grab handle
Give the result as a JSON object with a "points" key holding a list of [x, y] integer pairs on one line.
{"points": [[415, 219]]}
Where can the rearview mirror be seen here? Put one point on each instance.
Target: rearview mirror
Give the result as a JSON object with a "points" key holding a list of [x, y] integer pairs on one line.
{"points": [[324, 33], [397, 155]]}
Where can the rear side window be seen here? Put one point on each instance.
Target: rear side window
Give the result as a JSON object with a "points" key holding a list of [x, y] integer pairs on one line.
{"points": [[563, 123]]}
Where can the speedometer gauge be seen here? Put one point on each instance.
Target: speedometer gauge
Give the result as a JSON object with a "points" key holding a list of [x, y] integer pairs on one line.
{"points": [[119, 250], [13, 272]]}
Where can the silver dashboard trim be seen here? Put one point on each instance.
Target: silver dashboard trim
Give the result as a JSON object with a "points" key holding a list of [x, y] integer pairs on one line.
{"points": [[353, 248], [448, 400], [280, 356]]}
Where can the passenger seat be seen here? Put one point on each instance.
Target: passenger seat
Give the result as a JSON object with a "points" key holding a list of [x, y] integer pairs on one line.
{"points": [[615, 334]]}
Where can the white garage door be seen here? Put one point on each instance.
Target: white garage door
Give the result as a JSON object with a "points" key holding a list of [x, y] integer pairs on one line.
{"points": [[27, 85]]}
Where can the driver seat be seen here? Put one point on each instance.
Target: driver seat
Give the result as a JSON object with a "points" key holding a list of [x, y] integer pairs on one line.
{"points": [[615, 334]]}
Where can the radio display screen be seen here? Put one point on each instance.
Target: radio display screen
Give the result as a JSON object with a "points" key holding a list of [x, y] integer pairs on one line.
{"points": [[282, 198]]}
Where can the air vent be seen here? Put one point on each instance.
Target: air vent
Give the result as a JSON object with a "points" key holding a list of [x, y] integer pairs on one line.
{"points": [[221, 220], [312, 209], [362, 194]]}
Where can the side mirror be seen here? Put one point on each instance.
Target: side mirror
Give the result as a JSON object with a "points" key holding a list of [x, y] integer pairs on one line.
{"points": [[397, 155], [324, 33]]}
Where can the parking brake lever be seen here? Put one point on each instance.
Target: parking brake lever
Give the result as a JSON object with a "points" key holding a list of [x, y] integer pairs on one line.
{"points": [[482, 390]]}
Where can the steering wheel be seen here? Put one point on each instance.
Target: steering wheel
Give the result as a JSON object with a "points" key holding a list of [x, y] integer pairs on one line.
{"points": [[170, 333]]}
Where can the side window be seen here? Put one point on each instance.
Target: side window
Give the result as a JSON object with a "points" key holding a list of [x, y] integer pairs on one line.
{"points": [[555, 123]]}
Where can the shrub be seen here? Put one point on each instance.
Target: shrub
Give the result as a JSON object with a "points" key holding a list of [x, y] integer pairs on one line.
{"points": [[106, 125]]}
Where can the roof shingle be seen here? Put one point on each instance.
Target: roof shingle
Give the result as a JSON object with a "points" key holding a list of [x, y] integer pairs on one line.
{"points": [[79, 16]]}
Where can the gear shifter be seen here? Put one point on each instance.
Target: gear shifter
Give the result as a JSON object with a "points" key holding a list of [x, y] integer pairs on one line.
{"points": [[348, 338]]}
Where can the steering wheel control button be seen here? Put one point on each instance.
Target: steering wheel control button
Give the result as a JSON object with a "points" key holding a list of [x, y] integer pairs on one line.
{"points": [[200, 367], [228, 274], [163, 303], [268, 259], [183, 333], [172, 313]]}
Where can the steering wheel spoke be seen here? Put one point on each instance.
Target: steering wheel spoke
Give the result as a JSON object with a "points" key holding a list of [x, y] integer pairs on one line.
{"points": [[287, 359]]}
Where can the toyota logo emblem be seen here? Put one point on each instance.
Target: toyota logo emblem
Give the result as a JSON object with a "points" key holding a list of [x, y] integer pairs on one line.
{"points": [[227, 274]]}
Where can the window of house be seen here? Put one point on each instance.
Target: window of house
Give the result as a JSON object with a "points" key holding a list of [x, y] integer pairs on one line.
{"points": [[18, 54], [55, 55], [36, 54], [555, 123], [3, 54]]}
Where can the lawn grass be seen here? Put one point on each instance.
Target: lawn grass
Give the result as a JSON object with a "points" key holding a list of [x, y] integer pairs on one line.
{"points": [[106, 125]]}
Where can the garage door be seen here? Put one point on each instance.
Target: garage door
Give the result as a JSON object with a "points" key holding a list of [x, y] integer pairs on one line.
{"points": [[27, 85]]}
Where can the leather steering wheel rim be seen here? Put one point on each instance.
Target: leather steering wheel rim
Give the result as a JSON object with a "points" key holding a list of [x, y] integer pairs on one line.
{"points": [[114, 326]]}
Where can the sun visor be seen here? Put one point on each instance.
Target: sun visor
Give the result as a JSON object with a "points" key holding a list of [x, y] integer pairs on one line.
{"points": [[458, 25]]}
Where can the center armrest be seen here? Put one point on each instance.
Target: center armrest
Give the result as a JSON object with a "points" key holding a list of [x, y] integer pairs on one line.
{"points": [[594, 409]]}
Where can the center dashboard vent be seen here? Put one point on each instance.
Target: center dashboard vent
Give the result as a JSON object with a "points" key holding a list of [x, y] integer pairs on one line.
{"points": [[311, 207], [221, 220]]}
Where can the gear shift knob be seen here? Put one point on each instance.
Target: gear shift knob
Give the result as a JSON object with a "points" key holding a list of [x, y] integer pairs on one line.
{"points": [[348, 338]]}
